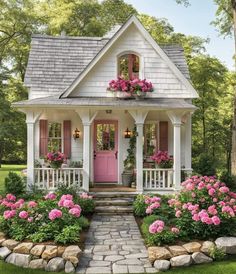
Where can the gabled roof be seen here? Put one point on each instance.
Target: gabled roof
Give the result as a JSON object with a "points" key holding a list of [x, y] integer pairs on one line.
{"points": [[148, 37], [54, 62]]}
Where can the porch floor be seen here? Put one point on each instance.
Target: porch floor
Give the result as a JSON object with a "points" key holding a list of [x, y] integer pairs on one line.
{"points": [[110, 188]]}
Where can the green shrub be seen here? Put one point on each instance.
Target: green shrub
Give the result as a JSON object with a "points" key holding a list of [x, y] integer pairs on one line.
{"points": [[83, 222], [139, 206], [228, 179], [63, 189], [69, 234], [14, 184], [206, 165], [216, 253], [87, 205]]}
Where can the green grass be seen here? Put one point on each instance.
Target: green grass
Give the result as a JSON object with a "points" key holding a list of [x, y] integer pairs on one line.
{"points": [[224, 267], [10, 269], [4, 172]]}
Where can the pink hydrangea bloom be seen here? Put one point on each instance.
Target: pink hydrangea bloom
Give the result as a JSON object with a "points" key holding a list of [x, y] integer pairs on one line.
{"points": [[10, 197], [50, 196], [68, 203], [8, 214], [212, 210], [54, 214], [30, 219], [23, 214], [215, 220], [75, 211], [156, 227], [178, 214], [32, 204], [175, 230], [224, 189], [85, 195], [196, 217], [211, 191]]}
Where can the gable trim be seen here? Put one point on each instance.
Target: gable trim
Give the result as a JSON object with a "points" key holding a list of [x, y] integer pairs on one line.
{"points": [[148, 37]]}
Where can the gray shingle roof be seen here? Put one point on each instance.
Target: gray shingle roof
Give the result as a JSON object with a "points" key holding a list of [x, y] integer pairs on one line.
{"points": [[54, 62], [157, 103]]}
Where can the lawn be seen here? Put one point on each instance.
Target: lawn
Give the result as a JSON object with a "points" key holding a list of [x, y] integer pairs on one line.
{"points": [[4, 171]]}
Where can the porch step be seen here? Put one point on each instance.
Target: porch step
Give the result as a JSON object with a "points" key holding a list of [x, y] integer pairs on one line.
{"points": [[113, 203], [114, 209]]}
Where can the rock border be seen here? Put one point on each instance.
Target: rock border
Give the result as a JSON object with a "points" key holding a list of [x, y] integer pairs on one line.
{"points": [[48, 257], [165, 257]]}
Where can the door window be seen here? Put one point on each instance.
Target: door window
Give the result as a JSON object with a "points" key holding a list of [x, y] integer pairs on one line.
{"points": [[105, 137]]}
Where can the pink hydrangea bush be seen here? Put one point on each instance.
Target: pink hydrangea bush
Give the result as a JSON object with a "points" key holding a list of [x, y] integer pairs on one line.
{"points": [[205, 208], [48, 218]]}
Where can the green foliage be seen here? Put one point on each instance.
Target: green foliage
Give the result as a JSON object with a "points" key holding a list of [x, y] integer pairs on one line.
{"points": [[206, 165], [63, 189], [14, 184], [83, 222], [87, 206], [69, 234], [228, 179], [46, 231], [217, 253], [130, 161], [139, 206]]}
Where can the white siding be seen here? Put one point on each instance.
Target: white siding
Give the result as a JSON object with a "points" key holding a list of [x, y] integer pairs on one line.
{"points": [[154, 69]]}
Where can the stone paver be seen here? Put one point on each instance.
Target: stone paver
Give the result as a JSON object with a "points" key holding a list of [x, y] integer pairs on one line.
{"points": [[114, 245]]}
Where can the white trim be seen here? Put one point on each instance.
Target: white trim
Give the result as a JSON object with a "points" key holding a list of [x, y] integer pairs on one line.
{"points": [[148, 37]]}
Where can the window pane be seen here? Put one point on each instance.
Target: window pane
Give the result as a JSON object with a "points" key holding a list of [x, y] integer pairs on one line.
{"points": [[54, 129], [54, 144], [129, 66], [54, 136], [105, 137], [150, 142]]}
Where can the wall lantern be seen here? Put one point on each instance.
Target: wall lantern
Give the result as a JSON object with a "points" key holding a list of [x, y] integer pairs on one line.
{"points": [[108, 111], [127, 133], [76, 134]]}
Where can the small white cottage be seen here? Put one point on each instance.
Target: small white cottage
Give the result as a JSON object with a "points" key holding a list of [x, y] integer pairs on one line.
{"points": [[70, 109]]}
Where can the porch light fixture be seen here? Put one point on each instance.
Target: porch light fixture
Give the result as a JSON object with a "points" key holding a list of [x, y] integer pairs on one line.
{"points": [[108, 111], [76, 134], [127, 133]]}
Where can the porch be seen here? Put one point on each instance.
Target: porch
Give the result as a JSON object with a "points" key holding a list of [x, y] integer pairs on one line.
{"points": [[117, 115]]}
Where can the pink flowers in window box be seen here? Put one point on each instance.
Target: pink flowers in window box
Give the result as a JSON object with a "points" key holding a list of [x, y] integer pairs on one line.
{"points": [[55, 159], [131, 87], [162, 159]]}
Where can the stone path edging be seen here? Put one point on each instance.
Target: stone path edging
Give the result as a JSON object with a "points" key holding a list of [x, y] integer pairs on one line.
{"points": [[114, 245]]}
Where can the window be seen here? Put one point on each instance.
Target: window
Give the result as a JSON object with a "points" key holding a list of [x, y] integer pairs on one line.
{"points": [[105, 137], [128, 66], [54, 136], [150, 139]]}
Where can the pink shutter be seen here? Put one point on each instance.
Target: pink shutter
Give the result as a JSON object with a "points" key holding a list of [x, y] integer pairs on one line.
{"points": [[163, 127], [43, 137], [67, 138]]}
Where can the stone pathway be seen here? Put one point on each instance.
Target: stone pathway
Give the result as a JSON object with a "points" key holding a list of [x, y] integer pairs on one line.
{"points": [[114, 245]]}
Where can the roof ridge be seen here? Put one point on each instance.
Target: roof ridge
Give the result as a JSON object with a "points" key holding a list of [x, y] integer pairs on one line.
{"points": [[45, 36]]}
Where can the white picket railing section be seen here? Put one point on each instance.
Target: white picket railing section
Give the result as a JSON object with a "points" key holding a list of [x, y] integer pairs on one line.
{"points": [[50, 179], [158, 179]]}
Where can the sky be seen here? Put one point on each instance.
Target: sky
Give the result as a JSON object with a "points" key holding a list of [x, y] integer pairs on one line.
{"points": [[193, 20]]}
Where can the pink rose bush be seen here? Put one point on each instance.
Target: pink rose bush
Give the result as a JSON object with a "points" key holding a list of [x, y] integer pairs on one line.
{"points": [[47, 218], [55, 159]]}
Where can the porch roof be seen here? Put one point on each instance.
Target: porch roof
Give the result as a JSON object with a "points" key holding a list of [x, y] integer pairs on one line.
{"points": [[101, 102]]}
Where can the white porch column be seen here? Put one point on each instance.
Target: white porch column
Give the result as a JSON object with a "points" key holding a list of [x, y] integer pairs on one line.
{"points": [[139, 117], [175, 118], [188, 142], [31, 119], [87, 118]]}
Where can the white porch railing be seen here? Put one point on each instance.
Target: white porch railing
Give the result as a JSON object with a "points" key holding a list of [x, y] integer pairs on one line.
{"points": [[50, 179], [158, 179]]}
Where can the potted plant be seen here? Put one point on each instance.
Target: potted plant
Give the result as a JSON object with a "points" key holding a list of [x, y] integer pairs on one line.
{"points": [[162, 159], [129, 162], [55, 159]]}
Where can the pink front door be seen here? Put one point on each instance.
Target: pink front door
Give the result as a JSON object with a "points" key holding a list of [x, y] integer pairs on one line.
{"points": [[105, 151]]}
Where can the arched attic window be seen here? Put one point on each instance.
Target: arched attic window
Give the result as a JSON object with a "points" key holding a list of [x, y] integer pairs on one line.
{"points": [[128, 66]]}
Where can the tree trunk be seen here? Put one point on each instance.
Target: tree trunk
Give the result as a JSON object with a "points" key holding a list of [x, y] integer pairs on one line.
{"points": [[233, 151]]}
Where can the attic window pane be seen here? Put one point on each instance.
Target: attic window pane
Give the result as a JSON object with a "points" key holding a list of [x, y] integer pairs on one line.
{"points": [[129, 66]]}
